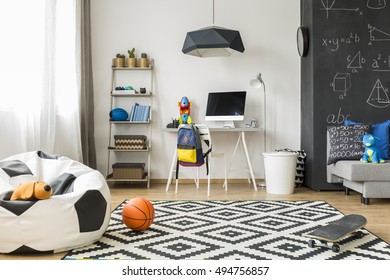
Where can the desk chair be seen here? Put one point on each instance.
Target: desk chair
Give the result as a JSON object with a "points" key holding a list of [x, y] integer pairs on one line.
{"points": [[205, 137]]}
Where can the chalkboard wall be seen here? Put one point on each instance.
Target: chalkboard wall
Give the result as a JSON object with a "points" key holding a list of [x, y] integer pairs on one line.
{"points": [[346, 74]]}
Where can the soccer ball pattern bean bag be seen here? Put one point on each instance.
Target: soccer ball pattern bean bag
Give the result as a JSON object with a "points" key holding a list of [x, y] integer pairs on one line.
{"points": [[77, 213]]}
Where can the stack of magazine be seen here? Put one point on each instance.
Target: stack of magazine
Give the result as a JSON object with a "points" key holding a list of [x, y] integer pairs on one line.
{"points": [[139, 113]]}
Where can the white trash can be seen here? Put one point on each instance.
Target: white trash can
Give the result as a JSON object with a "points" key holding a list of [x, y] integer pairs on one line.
{"points": [[280, 171]]}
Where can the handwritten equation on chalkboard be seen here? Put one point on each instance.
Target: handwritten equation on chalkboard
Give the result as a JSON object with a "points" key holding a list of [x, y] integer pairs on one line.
{"points": [[346, 141], [374, 34]]}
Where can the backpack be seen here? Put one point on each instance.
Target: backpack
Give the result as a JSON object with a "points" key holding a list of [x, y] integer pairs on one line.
{"points": [[189, 147]]}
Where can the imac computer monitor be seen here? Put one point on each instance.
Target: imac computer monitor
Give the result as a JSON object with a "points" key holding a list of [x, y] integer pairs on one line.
{"points": [[226, 106]]}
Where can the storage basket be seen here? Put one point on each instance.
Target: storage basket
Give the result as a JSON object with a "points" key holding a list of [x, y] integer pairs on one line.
{"points": [[130, 142], [122, 170]]}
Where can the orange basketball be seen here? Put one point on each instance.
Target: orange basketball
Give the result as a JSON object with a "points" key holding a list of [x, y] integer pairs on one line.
{"points": [[138, 214]]}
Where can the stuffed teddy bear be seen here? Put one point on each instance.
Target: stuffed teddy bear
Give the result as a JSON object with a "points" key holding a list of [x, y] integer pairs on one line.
{"points": [[371, 153], [32, 191]]}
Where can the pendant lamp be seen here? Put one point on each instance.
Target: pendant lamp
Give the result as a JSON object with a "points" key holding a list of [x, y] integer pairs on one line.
{"points": [[213, 41]]}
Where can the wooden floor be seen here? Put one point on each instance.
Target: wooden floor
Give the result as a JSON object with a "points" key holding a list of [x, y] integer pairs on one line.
{"points": [[377, 213]]}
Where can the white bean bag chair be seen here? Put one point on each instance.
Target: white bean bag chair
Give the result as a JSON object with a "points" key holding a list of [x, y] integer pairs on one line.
{"points": [[77, 213]]}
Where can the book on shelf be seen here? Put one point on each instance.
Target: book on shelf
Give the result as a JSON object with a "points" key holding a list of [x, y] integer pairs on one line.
{"points": [[132, 112], [139, 113]]}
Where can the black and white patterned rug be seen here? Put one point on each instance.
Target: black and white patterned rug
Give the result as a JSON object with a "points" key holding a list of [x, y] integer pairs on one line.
{"points": [[261, 230]]}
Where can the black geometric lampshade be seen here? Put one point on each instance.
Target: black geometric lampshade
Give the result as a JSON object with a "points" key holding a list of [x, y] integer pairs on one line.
{"points": [[213, 42]]}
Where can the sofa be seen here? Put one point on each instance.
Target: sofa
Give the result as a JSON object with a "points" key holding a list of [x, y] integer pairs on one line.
{"points": [[371, 180]]}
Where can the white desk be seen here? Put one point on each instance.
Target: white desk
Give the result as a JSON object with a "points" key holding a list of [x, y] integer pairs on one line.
{"points": [[241, 139]]}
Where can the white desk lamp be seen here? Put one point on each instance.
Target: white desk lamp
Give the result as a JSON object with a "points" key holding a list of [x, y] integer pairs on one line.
{"points": [[257, 82]]}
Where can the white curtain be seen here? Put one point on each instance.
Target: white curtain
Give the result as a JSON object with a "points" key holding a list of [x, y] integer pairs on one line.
{"points": [[39, 105]]}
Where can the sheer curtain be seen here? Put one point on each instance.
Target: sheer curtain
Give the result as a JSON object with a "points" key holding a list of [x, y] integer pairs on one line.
{"points": [[39, 98]]}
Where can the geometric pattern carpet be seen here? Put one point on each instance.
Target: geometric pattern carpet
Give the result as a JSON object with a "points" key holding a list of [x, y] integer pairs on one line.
{"points": [[231, 230]]}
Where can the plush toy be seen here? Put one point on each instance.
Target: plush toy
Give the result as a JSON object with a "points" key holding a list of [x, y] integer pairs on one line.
{"points": [[32, 191], [185, 106], [371, 153]]}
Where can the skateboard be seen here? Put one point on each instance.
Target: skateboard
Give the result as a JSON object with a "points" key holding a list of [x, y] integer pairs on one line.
{"points": [[335, 231]]}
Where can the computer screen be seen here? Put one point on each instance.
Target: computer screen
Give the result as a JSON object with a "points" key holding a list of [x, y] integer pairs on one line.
{"points": [[226, 106]]}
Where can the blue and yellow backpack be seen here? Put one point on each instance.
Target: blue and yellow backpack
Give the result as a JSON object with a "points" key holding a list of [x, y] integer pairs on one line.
{"points": [[189, 147]]}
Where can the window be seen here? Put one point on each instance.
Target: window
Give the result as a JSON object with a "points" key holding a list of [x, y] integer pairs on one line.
{"points": [[39, 106], [37, 55]]}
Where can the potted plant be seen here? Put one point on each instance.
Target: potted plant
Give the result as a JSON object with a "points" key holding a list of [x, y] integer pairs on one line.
{"points": [[119, 60], [144, 60], [131, 61]]}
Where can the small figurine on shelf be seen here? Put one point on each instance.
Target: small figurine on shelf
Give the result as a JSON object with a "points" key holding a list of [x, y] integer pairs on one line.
{"points": [[131, 61], [185, 106]]}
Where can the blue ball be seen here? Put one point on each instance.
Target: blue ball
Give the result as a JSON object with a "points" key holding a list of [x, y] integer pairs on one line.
{"points": [[118, 114]]}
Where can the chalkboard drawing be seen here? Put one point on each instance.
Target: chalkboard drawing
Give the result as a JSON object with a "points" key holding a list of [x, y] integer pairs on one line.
{"points": [[381, 65], [377, 34], [376, 4], [355, 62], [341, 84], [328, 6], [378, 97], [336, 43]]}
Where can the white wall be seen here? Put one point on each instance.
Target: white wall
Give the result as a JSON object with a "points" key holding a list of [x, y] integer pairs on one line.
{"points": [[268, 30]]}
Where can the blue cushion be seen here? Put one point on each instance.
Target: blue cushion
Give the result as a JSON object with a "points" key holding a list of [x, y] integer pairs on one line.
{"points": [[380, 130]]}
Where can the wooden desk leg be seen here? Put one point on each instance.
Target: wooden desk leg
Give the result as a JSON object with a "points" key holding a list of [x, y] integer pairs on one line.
{"points": [[241, 139], [234, 154], [248, 160], [171, 170]]}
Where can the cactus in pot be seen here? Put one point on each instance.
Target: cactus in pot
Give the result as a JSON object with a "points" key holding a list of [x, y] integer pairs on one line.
{"points": [[119, 60], [131, 61], [131, 53], [144, 61]]}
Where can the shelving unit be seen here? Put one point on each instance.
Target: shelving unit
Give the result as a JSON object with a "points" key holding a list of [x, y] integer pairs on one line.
{"points": [[139, 131]]}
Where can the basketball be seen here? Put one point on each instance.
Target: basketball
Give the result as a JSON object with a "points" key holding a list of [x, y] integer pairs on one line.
{"points": [[138, 214]]}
